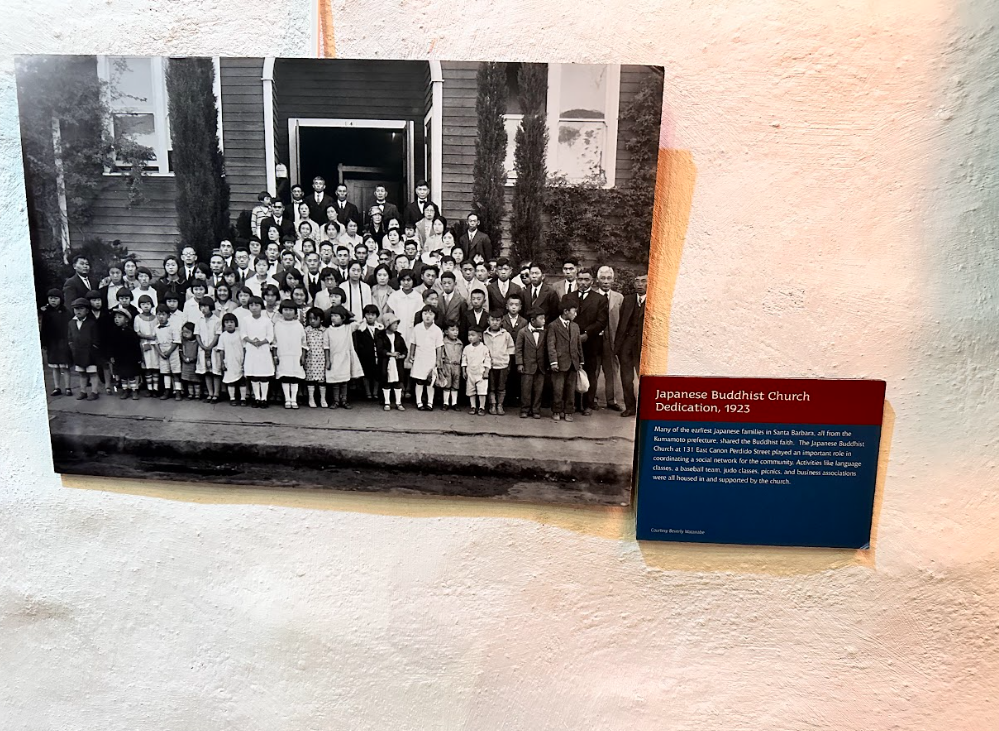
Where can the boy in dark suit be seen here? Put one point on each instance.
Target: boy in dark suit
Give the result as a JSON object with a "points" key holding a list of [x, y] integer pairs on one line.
{"points": [[628, 340], [565, 356], [84, 345], [531, 352], [451, 303]]}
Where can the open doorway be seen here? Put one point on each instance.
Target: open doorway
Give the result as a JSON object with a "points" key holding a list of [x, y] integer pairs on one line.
{"points": [[360, 157]]}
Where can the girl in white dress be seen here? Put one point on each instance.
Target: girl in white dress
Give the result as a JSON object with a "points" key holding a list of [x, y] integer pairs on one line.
{"points": [[290, 349], [145, 327], [342, 363], [229, 351], [406, 302], [425, 358], [207, 329], [257, 334]]}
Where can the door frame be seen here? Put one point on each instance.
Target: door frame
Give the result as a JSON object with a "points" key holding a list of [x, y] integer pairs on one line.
{"points": [[406, 125]]}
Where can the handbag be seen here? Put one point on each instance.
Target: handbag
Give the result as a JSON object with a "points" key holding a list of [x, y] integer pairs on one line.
{"points": [[582, 381]]}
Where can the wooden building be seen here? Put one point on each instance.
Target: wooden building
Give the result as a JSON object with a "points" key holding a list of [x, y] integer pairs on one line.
{"points": [[362, 123]]}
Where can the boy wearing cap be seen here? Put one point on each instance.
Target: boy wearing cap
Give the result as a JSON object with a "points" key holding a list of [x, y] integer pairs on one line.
{"points": [[84, 345]]}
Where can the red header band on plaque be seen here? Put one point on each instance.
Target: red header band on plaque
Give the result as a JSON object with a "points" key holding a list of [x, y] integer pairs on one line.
{"points": [[762, 400]]}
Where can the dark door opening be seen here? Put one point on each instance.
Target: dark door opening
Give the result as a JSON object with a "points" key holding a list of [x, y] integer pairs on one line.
{"points": [[361, 158]]}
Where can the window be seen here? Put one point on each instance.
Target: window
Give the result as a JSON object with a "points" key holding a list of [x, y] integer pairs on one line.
{"points": [[582, 121], [582, 108], [138, 101]]}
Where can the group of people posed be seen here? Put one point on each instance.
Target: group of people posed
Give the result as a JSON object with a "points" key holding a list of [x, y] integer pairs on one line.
{"points": [[328, 305]]}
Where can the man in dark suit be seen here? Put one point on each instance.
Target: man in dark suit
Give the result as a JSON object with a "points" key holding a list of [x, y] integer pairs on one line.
{"points": [[283, 223], [592, 321], [532, 359], [389, 211], [475, 243], [503, 287], [628, 340], [78, 285], [228, 253], [345, 210], [318, 202], [310, 277], [414, 210], [565, 357], [539, 295]]}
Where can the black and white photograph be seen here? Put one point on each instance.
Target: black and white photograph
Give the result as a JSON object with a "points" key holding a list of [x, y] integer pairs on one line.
{"points": [[409, 277]]}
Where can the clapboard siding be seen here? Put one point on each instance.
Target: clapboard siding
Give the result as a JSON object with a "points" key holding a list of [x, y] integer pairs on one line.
{"points": [[148, 230], [350, 89], [633, 80], [243, 130], [459, 92]]}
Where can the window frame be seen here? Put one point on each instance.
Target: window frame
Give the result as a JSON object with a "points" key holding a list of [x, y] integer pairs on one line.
{"points": [[611, 110], [160, 112]]}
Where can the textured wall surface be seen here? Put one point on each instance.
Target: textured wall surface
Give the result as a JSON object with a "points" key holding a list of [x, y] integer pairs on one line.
{"points": [[831, 210]]}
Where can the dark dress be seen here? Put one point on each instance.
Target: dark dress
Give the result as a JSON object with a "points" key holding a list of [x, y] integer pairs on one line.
{"points": [[105, 324], [367, 353], [54, 321], [123, 347], [383, 348]]}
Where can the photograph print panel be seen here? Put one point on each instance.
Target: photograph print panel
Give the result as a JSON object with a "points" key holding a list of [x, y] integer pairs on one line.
{"points": [[387, 276]]}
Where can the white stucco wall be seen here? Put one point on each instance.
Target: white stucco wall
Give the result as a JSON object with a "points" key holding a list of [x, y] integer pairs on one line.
{"points": [[843, 158]]}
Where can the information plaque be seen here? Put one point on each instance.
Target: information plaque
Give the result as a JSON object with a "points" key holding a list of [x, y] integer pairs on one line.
{"points": [[761, 461]]}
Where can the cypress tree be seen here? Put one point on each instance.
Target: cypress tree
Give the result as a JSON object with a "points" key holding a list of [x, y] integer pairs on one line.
{"points": [[202, 190], [489, 177], [526, 226]]}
